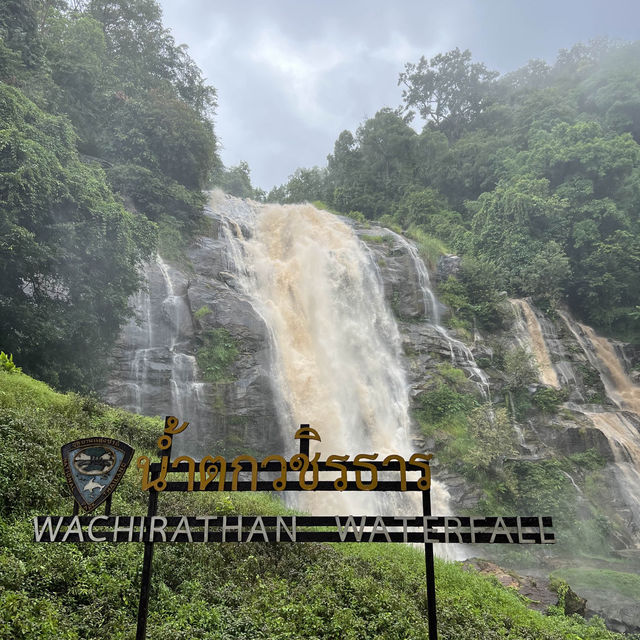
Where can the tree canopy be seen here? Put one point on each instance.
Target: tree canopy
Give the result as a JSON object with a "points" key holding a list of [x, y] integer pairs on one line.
{"points": [[535, 174], [98, 103]]}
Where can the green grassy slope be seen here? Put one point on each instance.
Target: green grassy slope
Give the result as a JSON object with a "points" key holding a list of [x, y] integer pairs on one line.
{"points": [[232, 591]]}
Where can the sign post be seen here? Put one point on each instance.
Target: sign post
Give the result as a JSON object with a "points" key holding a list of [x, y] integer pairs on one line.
{"points": [[104, 461]]}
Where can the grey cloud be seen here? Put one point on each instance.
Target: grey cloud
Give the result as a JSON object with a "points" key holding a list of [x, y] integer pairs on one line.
{"points": [[292, 74]]}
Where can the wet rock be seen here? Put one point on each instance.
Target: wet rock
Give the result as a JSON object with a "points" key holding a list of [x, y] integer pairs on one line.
{"points": [[448, 265]]}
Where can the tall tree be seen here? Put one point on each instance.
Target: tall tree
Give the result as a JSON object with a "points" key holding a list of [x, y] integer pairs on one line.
{"points": [[449, 91]]}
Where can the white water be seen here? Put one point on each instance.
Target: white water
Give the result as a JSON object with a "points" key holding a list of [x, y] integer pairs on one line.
{"points": [[621, 427], [162, 373], [460, 354], [602, 355], [335, 344]]}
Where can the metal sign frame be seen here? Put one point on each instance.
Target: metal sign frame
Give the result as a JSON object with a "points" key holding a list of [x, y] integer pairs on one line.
{"points": [[426, 529]]}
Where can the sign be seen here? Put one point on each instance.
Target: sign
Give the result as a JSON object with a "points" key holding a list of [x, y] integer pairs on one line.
{"points": [[210, 473], [206, 529], [94, 466]]}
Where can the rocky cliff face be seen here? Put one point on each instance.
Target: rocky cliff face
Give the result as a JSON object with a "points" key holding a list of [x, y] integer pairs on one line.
{"points": [[202, 347]]}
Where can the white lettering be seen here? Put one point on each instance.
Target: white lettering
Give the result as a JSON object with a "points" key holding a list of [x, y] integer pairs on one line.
{"points": [[38, 533], [427, 529], [226, 528], [206, 519], [358, 533], [290, 532], [543, 539], [184, 523], [521, 532], [74, 527], [254, 528], [158, 525], [404, 527], [473, 529], [378, 525], [128, 529], [90, 529], [496, 530], [457, 525]]}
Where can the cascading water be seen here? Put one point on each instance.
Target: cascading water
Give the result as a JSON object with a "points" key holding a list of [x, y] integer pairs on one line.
{"points": [[460, 354], [530, 326], [158, 374], [336, 347], [621, 427]]}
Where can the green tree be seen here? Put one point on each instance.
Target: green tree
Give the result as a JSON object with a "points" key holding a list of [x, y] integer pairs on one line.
{"points": [[69, 253], [236, 180], [449, 91]]}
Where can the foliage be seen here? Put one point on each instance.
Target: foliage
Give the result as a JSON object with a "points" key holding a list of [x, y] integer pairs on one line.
{"points": [[237, 182], [216, 355], [441, 402], [7, 364], [520, 369], [261, 591], [534, 175], [105, 78], [471, 295], [70, 252], [449, 90], [493, 437], [548, 400]]}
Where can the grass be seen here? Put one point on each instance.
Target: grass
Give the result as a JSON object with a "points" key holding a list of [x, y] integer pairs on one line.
{"points": [[219, 591], [603, 580]]}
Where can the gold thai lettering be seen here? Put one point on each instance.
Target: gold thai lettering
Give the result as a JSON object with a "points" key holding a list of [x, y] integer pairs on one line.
{"points": [[192, 469], [421, 460], [279, 484], [403, 468], [300, 462], [237, 468], [212, 468], [172, 425], [359, 461], [335, 462], [157, 484]]}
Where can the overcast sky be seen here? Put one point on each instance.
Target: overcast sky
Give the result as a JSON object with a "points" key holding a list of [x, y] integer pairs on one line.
{"points": [[292, 74]]}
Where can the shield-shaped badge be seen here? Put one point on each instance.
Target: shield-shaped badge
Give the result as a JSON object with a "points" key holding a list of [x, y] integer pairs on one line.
{"points": [[94, 467]]}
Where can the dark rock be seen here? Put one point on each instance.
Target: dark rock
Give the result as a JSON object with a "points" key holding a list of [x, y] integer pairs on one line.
{"points": [[448, 265]]}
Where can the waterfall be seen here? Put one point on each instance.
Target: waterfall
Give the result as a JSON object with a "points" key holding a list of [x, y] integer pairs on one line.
{"points": [[621, 427], [158, 371], [335, 344], [536, 343], [602, 355], [460, 354]]}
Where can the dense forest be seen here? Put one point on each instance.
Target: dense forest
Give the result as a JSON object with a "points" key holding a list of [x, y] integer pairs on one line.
{"points": [[533, 177], [99, 108]]}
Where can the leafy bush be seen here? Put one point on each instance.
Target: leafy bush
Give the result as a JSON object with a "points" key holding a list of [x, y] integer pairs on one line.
{"points": [[548, 400], [216, 355], [443, 401], [7, 364]]}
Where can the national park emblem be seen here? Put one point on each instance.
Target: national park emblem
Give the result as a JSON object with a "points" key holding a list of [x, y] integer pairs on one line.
{"points": [[94, 467]]}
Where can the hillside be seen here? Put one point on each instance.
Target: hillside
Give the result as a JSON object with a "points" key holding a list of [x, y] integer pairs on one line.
{"points": [[71, 591]]}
